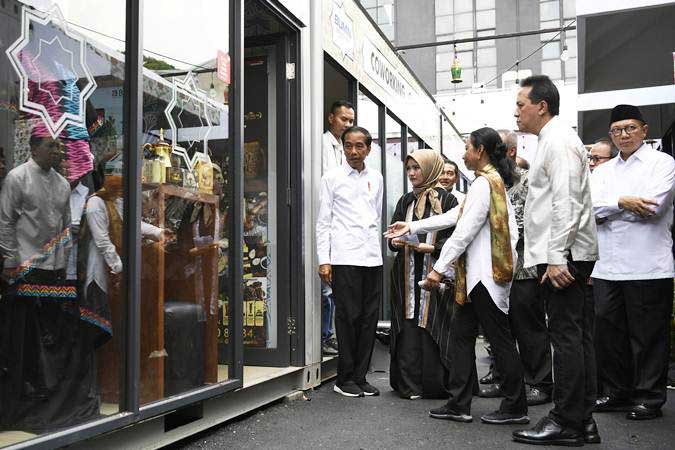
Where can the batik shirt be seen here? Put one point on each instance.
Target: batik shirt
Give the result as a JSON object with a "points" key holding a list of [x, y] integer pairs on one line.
{"points": [[517, 195]]}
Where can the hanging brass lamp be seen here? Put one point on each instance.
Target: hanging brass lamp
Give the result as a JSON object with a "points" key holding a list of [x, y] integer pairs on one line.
{"points": [[456, 69]]}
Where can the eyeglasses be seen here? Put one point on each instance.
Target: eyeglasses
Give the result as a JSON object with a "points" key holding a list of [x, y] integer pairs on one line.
{"points": [[596, 159], [630, 129]]}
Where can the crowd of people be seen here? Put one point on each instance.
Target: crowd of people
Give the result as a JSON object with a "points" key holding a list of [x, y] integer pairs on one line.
{"points": [[559, 267]]}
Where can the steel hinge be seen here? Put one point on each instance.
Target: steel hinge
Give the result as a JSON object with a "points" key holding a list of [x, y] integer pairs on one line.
{"points": [[290, 71], [291, 325]]}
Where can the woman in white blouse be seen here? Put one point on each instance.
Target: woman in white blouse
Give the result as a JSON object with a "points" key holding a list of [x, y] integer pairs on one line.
{"points": [[483, 249]]}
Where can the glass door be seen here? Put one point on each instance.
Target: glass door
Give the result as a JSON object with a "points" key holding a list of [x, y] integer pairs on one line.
{"points": [[266, 252]]}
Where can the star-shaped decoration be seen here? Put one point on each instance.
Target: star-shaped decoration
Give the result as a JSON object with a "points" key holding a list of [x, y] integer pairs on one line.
{"points": [[56, 54], [48, 51], [186, 91]]}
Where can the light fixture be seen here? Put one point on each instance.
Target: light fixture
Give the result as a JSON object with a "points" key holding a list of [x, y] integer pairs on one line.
{"points": [[517, 74], [456, 68], [565, 55]]}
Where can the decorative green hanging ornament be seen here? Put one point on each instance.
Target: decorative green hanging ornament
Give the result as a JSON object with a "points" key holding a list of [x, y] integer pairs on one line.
{"points": [[456, 69]]}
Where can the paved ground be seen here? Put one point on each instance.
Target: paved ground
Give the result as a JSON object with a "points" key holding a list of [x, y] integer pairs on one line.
{"points": [[388, 422]]}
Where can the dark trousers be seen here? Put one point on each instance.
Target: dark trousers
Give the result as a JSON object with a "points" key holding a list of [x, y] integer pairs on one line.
{"points": [[570, 322], [527, 317], [358, 293], [465, 320], [633, 330]]}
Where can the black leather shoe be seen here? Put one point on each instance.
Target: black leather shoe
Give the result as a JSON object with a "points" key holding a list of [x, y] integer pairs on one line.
{"points": [[492, 391], [447, 412], [612, 404], [643, 412], [548, 432], [488, 379], [536, 396], [591, 434]]}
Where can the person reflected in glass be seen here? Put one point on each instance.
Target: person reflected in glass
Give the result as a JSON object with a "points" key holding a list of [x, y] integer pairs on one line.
{"points": [[46, 378], [100, 267], [420, 325]]}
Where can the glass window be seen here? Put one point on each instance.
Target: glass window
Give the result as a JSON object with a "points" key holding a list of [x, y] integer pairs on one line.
{"points": [[444, 61], [487, 75], [184, 276], [551, 50], [549, 10], [443, 81], [443, 7], [571, 47], [395, 188], [485, 4], [367, 116], [488, 43], [444, 25], [61, 167], [571, 68], [466, 58], [487, 56], [368, 3], [569, 9], [551, 68], [463, 5], [465, 45], [464, 22], [485, 19]]}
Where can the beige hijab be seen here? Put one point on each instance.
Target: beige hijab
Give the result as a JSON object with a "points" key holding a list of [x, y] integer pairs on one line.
{"points": [[431, 164]]}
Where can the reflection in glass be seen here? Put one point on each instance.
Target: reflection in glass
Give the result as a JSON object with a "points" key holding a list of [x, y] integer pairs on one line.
{"points": [[61, 136], [367, 116], [394, 190], [185, 326]]}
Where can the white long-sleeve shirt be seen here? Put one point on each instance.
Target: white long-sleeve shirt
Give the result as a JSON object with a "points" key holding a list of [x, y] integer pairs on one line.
{"points": [[472, 236], [348, 226], [633, 248], [332, 153], [78, 197], [558, 210], [102, 252]]}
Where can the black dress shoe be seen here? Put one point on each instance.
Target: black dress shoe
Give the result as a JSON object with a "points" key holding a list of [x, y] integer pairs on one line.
{"points": [[448, 412], [591, 434], [643, 412], [612, 404], [492, 391], [548, 432], [536, 396], [489, 378]]}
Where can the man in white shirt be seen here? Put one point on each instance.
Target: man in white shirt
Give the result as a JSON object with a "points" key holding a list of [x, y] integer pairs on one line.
{"points": [[633, 280], [448, 179], [350, 258], [340, 118], [601, 152], [561, 240]]}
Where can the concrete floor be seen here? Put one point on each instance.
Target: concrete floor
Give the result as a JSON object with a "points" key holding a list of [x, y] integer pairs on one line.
{"points": [[388, 422]]}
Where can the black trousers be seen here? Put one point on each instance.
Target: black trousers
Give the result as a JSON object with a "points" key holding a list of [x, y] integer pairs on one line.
{"points": [[527, 317], [358, 293], [633, 331], [465, 320], [571, 322]]}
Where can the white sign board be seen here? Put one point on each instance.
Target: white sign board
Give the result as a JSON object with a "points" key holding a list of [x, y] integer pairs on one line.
{"points": [[383, 72], [343, 30]]}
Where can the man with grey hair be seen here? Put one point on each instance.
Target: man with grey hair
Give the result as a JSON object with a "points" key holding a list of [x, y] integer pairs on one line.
{"points": [[601, 152], [526, 313]]}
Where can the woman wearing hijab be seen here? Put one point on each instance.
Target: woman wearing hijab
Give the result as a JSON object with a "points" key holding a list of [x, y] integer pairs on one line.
{"points": [[483, 250], [420, 334]]}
